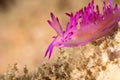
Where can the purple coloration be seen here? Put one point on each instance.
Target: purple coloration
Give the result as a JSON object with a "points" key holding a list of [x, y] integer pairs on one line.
{"points": [[50, 49], [93, 25], [55, 24]]}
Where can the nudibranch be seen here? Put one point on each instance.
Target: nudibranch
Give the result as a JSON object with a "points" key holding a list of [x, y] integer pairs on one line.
{"points": [[93, 24]]}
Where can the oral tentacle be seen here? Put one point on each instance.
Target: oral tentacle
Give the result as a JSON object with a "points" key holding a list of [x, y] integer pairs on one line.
{"points": [[50, 49]]}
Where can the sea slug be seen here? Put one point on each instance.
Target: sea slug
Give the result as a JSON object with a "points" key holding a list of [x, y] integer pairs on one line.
{"points": [[93, 25]]}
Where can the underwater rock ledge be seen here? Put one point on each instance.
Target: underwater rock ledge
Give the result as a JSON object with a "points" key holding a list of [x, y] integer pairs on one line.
{"points": [[99, 60]]}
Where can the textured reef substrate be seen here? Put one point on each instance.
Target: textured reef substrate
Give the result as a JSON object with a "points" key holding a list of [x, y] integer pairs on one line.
{"points": [[98, 60]]}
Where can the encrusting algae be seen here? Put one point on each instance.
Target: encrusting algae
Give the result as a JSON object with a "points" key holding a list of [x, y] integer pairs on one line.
{"points": [[94, 61]]}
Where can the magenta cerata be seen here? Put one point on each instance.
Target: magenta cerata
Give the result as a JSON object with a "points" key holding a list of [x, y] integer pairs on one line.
{"points": [[86, 25]]}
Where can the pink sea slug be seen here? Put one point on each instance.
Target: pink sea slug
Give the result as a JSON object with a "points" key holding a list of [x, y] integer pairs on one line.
{"points": [[93, 25]]}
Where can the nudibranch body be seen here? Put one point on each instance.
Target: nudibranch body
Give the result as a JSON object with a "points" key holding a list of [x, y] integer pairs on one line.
{"points": [[93, 25]]}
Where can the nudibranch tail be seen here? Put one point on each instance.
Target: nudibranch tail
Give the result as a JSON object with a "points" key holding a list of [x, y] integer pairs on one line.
{"points": [[55, 24]]}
